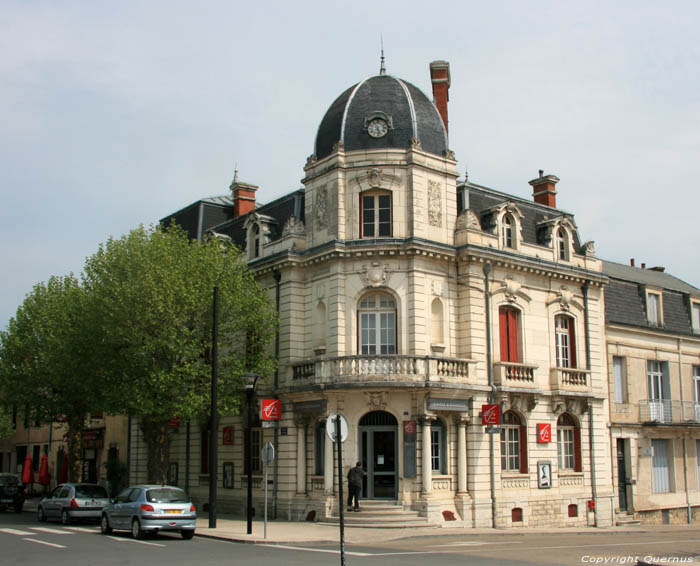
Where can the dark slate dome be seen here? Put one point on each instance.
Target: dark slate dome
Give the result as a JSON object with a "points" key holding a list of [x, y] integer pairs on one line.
{"points": [[397, 103]]}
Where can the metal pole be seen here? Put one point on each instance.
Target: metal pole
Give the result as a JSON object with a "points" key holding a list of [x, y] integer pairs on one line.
{"points": [[214, 425], [340, 490], [265, 528], [249, 460], [492, 397]]}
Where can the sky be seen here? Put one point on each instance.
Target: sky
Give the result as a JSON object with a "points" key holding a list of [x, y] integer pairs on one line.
{"points": [[115, 114]]}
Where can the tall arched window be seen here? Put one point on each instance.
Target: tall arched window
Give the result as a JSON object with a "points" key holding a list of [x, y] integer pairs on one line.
{"points": [[569, 444], [565, 338], [509, 332], [562, 245], [508, 231], [254, 242], [377, 324], [375, 214], [437, 322], [513, 443]]}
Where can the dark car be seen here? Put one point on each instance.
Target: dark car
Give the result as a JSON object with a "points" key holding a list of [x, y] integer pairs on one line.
{"points": [[11, 493]]}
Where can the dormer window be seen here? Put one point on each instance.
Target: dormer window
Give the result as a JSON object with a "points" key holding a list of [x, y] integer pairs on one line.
{"points": [[654, 308], [375, 214], [508, 232], [255, 241], [695, 316], [562, 245]]}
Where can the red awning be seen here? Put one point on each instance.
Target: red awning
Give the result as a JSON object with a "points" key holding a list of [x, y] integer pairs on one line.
{"points": [[28, 472], [44, 477]]}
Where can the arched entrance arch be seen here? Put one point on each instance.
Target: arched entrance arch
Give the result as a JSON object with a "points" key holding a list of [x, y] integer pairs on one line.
{"points": [[379, 455]]}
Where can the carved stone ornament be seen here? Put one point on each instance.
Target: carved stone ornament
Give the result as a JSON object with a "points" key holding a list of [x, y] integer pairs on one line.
{"points": [[589, 249], [434, 204], [437, 288], [311, 159], [467, 219], [293, 226], [321, 207], [565, 298], [376, 400], [375, 178], [339, 146], [449, 154], [320, 289], [511, 288], [375, 275], [415, 144]]}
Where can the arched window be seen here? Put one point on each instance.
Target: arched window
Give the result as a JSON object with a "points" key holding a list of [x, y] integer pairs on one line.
{"points": [[513, 443], [254, 242], [508, 231], [438, 447], [509, 332], [562, 245], [437, 322], [565, 339], [375, 214], [569, 444], [377, 324]]}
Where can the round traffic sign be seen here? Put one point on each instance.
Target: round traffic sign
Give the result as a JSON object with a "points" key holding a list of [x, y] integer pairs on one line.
{"points": [[268, 453], [330, 427]]}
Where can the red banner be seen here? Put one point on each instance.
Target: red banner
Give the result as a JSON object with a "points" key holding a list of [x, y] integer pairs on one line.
{"points": [[490, 415], [228, 436], [544, 433], [271, 409]]}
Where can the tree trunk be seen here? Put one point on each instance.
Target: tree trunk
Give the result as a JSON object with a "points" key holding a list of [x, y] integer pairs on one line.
{"points": [[74, 445], [155, 435]]}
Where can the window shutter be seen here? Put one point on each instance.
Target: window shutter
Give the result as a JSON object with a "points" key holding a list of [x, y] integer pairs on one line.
{"points": [[572, 343], [503, 328], [523, 449], [578, 463], [513, 336]]}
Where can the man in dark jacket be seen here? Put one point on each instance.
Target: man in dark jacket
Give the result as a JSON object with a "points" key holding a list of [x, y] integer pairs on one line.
{"points": [[355, 486]]}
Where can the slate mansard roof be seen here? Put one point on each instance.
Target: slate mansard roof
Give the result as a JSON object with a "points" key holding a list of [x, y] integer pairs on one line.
{"points": [[625, 298], [411, 113]]}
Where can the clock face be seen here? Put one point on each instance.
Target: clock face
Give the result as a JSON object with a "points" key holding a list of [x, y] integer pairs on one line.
{"points": [[377, 128]]}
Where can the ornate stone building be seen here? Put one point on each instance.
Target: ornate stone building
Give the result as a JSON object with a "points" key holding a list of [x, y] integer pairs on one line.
{"points": [[408, 299]]}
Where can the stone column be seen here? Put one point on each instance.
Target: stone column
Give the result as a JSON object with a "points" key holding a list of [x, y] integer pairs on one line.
{"points": [[301, 456], [328, 464], [461, 422], [426, 449]]}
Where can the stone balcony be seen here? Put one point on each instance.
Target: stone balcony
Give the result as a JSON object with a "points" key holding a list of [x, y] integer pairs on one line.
{"points": [[570, 379], [386, 368], [512, 374]]}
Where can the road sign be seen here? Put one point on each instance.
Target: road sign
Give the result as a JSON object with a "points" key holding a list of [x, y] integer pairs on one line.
{"points": [[268, 453], [490, 414], [271, 409], [330, 426]]}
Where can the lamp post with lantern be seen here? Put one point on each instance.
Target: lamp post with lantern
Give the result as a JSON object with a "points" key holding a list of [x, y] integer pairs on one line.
{"points": [[250, 380]]}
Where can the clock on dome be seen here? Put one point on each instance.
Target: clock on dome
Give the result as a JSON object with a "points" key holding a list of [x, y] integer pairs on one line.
{"points": [[377, 128]]}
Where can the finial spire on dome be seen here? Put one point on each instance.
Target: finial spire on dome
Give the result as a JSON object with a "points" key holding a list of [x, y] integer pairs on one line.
{"points": [[382, 69], [235, 173]]}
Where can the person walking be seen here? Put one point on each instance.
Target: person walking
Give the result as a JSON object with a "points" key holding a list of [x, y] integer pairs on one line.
{"points": [[355, 486]]}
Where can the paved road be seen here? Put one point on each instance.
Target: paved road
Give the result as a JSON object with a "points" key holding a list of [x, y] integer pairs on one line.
{"points": [[25, 541]]}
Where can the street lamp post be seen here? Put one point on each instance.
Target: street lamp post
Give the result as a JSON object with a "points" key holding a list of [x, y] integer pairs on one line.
{"points": [[250, 380]]}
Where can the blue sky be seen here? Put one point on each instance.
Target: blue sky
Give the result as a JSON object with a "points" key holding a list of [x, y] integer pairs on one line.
{"points": [[116, 113]]}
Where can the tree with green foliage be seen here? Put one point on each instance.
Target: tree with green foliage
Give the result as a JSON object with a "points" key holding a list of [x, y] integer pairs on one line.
{"points": [[46, 360], [151, 293], [6, 428]]}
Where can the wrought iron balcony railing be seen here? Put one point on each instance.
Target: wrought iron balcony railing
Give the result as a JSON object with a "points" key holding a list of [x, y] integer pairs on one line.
{"points": [[668, 411], [384, 368]]}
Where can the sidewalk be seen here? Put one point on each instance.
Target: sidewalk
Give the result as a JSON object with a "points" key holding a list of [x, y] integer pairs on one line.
{"points": [[294, 532]]}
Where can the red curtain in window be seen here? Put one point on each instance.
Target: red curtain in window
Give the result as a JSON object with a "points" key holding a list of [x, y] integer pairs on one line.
{"points": [[508, 328], [523, 449], [578, 464]]}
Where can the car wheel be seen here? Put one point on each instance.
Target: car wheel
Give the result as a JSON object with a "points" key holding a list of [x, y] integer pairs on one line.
{"points": [[136, 531], [40, 515], [187, 535], [65, 517], [104, 525]]}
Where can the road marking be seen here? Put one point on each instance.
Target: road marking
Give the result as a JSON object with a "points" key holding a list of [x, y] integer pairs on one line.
{"points": [[83, 530], [479, 543], [572, 546], [347, 552], [44, 542], [134, 540], [16, 532], [52, 531]]}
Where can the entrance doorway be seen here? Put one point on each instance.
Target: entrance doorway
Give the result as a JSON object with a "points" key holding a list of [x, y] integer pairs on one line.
{"points": [[622, 480], [378, 450]]}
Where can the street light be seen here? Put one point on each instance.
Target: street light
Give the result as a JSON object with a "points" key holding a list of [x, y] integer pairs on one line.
{"points": [[250, 380]]}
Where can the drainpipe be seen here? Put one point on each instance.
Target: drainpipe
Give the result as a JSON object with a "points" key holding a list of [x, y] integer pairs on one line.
{"points": [[492, 396], [586, 321], [685, 446], [275, 470]]}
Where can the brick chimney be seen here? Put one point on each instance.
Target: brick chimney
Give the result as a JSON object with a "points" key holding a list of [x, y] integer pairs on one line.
{"points": [[243, 197], [440, 77], [543, 189]]}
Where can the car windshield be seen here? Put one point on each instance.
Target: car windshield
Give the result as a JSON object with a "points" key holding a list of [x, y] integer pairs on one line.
{"points": [[8, 480], [166, 495], [90, 491]]}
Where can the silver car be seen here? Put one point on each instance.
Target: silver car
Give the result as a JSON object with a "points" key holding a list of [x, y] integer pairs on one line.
{"points": [[73, 501], [145, 509]]}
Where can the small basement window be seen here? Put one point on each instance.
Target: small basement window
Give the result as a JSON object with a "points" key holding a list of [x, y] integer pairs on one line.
{"points": [[516, 515]]}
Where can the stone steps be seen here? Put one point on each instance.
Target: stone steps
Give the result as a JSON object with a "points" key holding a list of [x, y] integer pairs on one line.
{"points": [[380, 515], [626, 520]]}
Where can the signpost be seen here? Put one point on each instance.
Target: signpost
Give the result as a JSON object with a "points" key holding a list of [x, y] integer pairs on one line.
{"points": [[268, 456], [337, 430]]}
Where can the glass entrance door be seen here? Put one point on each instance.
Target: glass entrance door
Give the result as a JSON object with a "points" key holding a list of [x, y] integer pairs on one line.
{"points": [[378, 451], [621, 474]]}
